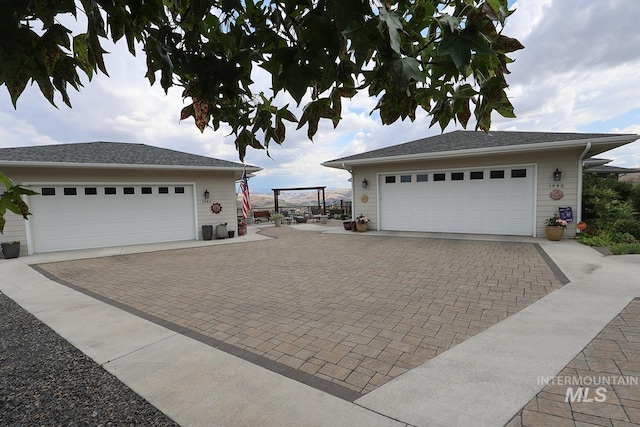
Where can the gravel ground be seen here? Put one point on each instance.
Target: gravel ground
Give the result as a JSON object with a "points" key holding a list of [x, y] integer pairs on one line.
{"points": [[45, 381]]}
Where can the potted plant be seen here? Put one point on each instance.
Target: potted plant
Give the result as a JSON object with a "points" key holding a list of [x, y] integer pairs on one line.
{"points": [[362, 223], [554, 227], [277, 218], [242, 228], [10, 249]]}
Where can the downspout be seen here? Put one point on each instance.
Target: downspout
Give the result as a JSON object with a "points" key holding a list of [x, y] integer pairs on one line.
{"points": [[580, 166], [353, 189]]}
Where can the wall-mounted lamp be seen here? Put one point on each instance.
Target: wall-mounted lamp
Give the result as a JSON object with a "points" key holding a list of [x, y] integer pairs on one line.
{"points": [[365, 183], [557, 175], [206, 194]]}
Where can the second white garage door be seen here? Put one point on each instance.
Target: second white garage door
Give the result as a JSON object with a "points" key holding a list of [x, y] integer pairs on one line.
{"points": [[490, 200], [78, 216]]}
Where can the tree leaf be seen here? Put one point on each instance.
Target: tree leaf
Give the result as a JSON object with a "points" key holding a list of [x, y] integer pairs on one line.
{"points": [[460, 45], [410, 70], [391, 20], [343, 13], [407, 53]]}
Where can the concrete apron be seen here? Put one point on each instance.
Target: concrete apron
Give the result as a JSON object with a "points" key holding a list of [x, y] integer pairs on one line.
{"points": [[482, 381]]}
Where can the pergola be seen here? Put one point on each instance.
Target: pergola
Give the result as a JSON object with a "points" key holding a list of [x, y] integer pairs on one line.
{"points": [[276, 193]]}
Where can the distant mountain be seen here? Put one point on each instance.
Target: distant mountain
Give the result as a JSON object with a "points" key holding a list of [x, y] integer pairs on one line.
{"points": [[298, 198]]}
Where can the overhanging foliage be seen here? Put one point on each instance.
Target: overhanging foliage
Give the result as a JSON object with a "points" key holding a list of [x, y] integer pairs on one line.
{"points": [[447, 57]]}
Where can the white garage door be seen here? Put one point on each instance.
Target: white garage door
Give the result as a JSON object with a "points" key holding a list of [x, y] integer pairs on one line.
{"points": [[78, 217], [493, 200]]}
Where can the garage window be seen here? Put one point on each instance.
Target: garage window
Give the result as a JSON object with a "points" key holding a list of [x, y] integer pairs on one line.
{"points": [[496, 174], [48, 191], [70, 191], [518, 173], [179, 190], [457, 176], [163, 190], [476, 175], [439, 177], [90, 191], [129, 190], [146, 190], [389, 179], [109, 190], [422, 177], [405, 178]]}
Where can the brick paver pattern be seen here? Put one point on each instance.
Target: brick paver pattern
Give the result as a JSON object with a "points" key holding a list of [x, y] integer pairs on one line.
{"points": [[610, 362], [356, 310]]}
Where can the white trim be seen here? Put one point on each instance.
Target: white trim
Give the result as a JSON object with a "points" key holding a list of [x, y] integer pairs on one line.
{"points": [[27, 230], [580, 184], [535, 200], [195, 211], [107, 183], [506, 165]]}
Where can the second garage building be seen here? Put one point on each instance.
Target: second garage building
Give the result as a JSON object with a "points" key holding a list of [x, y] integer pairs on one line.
{"points": [[504, 183]]}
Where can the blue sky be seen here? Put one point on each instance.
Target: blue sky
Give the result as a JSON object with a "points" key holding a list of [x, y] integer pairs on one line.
{"points": [[579, 72]]}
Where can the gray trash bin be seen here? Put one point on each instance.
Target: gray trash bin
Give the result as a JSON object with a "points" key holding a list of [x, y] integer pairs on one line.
{"points": [[207, 232]]}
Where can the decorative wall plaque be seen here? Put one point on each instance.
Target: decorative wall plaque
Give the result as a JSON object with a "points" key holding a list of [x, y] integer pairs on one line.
{"points": [[556, 194]]}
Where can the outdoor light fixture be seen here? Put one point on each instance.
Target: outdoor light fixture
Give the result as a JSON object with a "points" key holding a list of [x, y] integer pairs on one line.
{"points": [[365, 183], [206, 194], [557, 175]]}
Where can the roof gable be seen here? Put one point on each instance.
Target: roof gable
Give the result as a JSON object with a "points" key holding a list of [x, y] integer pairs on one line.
{"points": [[459, 141], [111, 153]]}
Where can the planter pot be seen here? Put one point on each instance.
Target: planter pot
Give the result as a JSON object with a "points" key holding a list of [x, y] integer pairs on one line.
{"points": [[346, 225], [553, 233], [278, 222], [361, 227], [207, 232], [11, 250], [301, 219], [323, 219], [242, 230]]}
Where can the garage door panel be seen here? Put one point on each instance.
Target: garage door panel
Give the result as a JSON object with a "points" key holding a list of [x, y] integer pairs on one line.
{"points": [[62, 222], [499, 205]]}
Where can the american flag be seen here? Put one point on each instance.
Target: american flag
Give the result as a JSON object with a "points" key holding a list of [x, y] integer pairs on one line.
{"points": [[246, 199]]}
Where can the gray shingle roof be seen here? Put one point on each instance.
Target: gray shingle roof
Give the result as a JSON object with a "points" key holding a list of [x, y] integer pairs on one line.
{"points": [[611, 169], [467, 140], [113, 153]]}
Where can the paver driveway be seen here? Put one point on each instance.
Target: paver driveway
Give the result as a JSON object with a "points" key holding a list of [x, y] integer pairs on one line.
{"points": [[609, 364], [341, 312]]}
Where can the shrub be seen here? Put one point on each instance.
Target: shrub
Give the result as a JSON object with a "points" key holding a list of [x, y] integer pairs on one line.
{"points": [[609, 206], [634, 197], [624, 248], [606, 238]]}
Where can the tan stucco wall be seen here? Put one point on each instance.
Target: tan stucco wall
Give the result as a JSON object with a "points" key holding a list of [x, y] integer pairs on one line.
{"points": [[221, 186], [546, 162]]}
